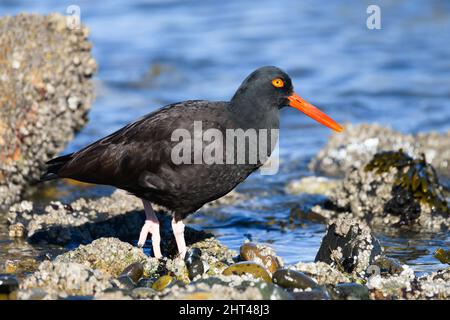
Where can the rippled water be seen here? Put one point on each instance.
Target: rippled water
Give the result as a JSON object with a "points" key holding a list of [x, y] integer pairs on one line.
{"points": [[151, 53]]}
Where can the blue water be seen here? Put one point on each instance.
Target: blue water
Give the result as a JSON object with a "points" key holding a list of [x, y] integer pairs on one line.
{"points": [[151, 53]]}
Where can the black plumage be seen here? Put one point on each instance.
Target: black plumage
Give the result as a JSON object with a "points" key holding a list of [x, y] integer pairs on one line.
{"points": [[137, 158]]}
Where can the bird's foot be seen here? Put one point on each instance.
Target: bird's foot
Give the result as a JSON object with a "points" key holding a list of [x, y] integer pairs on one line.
{"points": [[153, 228], [151, 225]]}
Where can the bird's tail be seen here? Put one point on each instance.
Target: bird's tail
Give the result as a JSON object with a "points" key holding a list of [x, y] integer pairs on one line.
{"points": [[53, 167]]}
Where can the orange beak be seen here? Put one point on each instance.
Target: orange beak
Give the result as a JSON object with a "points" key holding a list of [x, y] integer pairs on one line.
{"points": [[298, 103]]}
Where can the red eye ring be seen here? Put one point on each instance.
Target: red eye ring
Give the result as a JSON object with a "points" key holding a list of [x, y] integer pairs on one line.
{"points": [[278, 83]]}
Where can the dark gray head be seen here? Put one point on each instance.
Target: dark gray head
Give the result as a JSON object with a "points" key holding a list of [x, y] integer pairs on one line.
{"points": [[265, 91], [265, 87]]}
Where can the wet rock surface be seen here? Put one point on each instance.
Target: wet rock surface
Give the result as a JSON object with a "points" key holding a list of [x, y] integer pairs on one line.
{"points": [[46, 91], [357, 144], [349, 246]]}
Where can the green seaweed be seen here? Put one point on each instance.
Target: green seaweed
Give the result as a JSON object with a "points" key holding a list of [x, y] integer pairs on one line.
{"points": [[414, 175], [442, 255]]}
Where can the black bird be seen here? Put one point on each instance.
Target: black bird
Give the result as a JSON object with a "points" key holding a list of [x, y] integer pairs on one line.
{"points": [[162, 157]]}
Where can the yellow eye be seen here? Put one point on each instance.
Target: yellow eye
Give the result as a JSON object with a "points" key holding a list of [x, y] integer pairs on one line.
{"points": [[278, 83]]}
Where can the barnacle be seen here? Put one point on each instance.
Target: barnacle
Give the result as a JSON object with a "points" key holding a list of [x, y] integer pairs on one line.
{"points": [[415, 176]]}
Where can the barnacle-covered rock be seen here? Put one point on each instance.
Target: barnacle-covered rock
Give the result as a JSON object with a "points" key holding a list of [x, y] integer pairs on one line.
{"points": [[45, 93], [357, 144], [349, 246], [393, 189], [111, 256], [322, 272], [62, 279]]}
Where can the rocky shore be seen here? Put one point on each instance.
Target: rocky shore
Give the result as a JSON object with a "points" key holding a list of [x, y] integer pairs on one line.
{"points": [[45, 93], [108, 268]]}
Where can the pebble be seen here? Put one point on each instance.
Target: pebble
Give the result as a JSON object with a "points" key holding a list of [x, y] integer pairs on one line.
{"points": [[253, 268], [162, 283], [134, 271], [287, 278], [194, 263], [260, 254]]}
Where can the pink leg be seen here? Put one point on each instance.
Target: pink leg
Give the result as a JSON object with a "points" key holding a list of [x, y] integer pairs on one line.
{"points": [[178, 231], [151, 226]]}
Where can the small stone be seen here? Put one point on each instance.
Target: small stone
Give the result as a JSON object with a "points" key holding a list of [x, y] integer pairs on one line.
{"points": [[260, 254], [194, 263], [134, 271], [287, 278], [350, 291], [253, 268], [8, 283], [162, 283]]}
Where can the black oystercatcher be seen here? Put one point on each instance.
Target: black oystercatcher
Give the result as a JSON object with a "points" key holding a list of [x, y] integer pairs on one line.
{"points": [[145, 157]]}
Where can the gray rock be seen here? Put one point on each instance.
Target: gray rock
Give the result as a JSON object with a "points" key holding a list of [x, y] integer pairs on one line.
{"points": [[349, 246], [357, 144], [194, 263], [111, 256], [292, 279], [45, 97], [61, 279], [322, 272], [376, 196], [349, 291]]}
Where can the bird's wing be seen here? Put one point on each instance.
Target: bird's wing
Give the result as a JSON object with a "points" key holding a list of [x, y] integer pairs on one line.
{"points": [[139, 154]]}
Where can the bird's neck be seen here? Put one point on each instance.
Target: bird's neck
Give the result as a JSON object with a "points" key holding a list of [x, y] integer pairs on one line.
{"points": [[255, 114]]}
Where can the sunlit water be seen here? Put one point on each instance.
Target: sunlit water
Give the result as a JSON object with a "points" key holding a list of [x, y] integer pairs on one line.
{"points": [[151, 53]]}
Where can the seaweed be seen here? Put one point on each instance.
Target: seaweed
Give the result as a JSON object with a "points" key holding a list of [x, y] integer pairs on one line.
{"points": [[416, 181]]}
